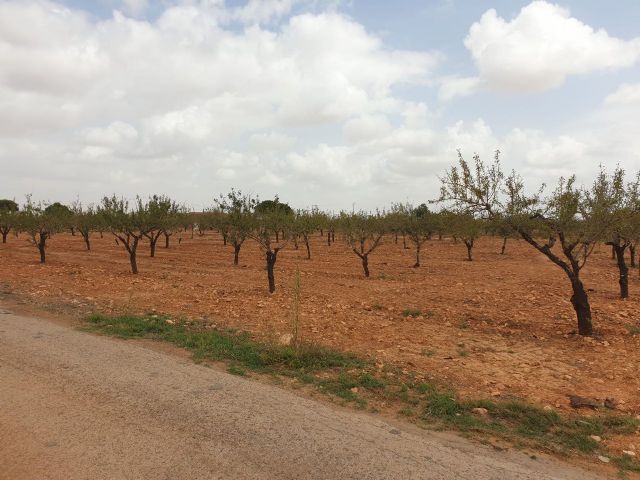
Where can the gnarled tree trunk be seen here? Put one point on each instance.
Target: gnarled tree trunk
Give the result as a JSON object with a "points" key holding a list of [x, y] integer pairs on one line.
{"points": [[271, 261], [236, 253], [623, 270], [580, 302]]}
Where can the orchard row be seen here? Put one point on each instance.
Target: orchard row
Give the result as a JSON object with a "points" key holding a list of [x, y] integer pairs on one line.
{"points": [[476, 199]]}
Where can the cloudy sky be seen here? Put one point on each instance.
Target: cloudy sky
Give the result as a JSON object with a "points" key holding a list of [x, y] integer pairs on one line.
{"points": [[324, 102]]}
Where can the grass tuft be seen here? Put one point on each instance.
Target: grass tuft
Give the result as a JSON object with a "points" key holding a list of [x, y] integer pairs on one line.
{"points": [[218, 345]]}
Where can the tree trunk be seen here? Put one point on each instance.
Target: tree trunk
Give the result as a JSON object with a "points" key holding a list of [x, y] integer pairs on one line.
{"points": [[236, 253], [224, 239], [4, 236], [277, 236], [73, 232], [632, 255], [152, 246], [469, 245], [580, 302], [396, 235], [624, 271], [322, 232], [87, 242], [417, 255], [365, 265], [504, 245], [613, 253], [329, 238], [42, 244], [306, 242], [404, 242], [295, 242], [271, 261], [166, 240], [333, 237], [134, 262]]}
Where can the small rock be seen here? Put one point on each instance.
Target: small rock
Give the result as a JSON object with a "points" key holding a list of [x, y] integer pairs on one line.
{"points": [[354, 390], [480, 411], [629, 452], [603, 459], [496, 393], [595, 438], [285, 339], [547, 408], [577, 402]]}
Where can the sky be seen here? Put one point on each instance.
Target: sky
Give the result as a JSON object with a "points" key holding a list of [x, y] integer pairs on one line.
{"points": [[327, 103]]}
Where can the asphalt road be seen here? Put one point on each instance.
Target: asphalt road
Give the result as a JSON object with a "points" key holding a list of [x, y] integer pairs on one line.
{"points": [[79, 406]]}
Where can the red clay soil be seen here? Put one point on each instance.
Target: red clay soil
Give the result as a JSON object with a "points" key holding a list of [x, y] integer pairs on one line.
{"points": [[499, 326]]}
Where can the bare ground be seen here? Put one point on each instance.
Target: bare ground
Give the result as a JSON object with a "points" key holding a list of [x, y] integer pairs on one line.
{"points": [[500, 326]]}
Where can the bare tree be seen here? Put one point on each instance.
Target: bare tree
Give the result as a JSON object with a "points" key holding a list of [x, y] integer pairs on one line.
{"points": [[363, 233], [272, 231], [160, 215], [238, 217], [127, 225], [618, 202], [465, 226], [8, 217], [40, 224], [304, 224], [564, 218], [86, 221]]}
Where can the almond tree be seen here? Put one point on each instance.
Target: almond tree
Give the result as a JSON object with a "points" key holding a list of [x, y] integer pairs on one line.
{"points": [[363, 233], [8, 217], [238, 218], [465, 226], [160, 214], [86, 221], [39, 224], [274, 206], [173, 223], [304, 224], [620, 203], [63, 213], [128, 225], [419, 224], [564, 218], [272, 231], [499, 227]]}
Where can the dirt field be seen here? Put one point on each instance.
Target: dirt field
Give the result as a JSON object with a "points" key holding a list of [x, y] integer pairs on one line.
{"points": [[499, 326]]}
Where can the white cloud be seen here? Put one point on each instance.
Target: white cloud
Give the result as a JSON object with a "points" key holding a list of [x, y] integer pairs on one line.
{"points": [[135, 7], [190, 106], [539, 48], [458, 87], [263, 11], [626, 95], [271, 141]]}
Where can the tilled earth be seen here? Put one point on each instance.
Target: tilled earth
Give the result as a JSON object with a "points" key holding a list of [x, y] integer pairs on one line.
{"points": [[501, 326]]}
